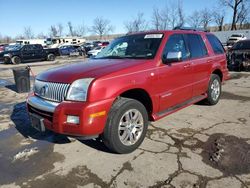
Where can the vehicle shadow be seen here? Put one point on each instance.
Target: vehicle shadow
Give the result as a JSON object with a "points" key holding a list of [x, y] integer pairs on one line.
{"points": [[22, 123], [96, 144], [12, 87]]}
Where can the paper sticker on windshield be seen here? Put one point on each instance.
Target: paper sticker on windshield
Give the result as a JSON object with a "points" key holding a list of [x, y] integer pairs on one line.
{"points": [[153, 36]]}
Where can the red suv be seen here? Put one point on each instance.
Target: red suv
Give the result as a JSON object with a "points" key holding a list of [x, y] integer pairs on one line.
{"points": [[137, 78]]}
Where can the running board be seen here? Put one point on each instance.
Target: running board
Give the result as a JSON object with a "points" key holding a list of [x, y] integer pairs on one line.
{"points": [[178, 107]]}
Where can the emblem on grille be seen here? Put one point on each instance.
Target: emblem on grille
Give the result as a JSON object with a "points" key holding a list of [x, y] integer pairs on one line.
{"points": [[44, 90]]}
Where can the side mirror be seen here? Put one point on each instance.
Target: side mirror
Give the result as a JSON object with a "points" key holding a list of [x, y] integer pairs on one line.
{"points": [[172, 57]]}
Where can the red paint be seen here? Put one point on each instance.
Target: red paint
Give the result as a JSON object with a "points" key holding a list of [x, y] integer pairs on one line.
{"points": [[167, 85]]}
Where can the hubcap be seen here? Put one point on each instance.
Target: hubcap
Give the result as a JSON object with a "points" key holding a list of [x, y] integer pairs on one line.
{"points": [[130, 127], [215, 87]]}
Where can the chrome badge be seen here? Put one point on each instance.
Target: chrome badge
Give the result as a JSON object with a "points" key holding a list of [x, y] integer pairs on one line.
{"points": [[44, 90]]}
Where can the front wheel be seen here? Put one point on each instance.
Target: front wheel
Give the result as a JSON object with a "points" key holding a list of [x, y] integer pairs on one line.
{"points": [[214, 90], [126, 126]]}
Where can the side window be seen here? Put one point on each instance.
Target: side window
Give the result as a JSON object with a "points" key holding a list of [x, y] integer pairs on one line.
{"points": [[176, 43], [216, 44], [32, 47], [196, 46], [27, 48]]}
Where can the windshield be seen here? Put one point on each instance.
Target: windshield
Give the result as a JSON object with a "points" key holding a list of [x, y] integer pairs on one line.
{"points": [[140, 46], [13, 47]]}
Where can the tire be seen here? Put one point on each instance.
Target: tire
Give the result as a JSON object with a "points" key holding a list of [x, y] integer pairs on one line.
{"points": [[16, 60], [51, 57], [6, 60], [116, 132], [214, 90]]}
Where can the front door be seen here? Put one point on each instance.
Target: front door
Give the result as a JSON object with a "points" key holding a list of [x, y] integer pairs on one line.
{"points": [[175, 78]]}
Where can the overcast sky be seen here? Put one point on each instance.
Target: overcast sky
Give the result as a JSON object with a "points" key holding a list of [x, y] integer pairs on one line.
{"points": [[39, 15]]}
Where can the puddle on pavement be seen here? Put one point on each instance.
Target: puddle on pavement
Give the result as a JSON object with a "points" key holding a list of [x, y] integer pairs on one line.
{"points": [[11, 142], [5, 82], [79, 176], [229, 154]]}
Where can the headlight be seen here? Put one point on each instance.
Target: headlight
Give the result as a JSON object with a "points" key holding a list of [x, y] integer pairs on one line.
{"points": [[79, 89]]}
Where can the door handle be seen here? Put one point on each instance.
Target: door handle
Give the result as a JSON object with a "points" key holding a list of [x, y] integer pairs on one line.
{"points": [[209, 61], [186, 66]]}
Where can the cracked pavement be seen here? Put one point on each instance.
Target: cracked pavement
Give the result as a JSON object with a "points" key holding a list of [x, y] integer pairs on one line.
{"points": [[199, 146]]}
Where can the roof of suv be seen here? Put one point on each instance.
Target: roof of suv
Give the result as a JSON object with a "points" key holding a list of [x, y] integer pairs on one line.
{"points": [[169, 31]]}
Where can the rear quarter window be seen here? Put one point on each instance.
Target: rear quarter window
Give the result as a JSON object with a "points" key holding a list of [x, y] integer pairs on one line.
{"points": [[216, 44], [196, 46]]}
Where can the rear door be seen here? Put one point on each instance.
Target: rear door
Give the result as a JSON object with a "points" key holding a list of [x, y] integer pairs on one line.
{"points": [[175, 78], [39, 53], [201, 62], [28, 52]]}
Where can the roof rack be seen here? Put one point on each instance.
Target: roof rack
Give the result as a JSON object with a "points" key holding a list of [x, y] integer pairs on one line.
{"points": [[190, 29]]}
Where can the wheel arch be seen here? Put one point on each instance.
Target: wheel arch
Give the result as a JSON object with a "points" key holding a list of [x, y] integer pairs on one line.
{"points": [[140, 95], [219, 73]]}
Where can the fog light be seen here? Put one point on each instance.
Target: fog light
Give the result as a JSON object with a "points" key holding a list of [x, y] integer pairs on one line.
{"points": [[73, 119]]}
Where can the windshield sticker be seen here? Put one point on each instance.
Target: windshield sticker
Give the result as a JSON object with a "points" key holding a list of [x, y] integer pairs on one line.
{"points": [[153, 36]]}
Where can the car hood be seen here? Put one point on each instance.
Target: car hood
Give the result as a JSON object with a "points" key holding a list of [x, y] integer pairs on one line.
{"points": [[4, 52], [89, 69]]}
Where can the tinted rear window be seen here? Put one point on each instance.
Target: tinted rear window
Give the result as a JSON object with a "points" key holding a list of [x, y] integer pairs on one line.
{"points": [[243, 45], [216, 44], [196, 46]]}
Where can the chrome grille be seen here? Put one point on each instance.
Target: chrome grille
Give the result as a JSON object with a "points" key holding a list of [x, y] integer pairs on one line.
{"points": [[51, 90]]}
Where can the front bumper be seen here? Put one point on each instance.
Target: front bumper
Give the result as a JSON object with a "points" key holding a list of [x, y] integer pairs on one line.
{"points": [[55, 115]]}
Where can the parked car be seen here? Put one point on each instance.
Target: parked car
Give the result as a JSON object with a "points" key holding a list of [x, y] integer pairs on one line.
{"points": [[239, 56], [29, 52], [235, 38], [87, 47], [115, 96], [2, 47], [97, 43], [105, 43], [71, 50], [95, 51]]}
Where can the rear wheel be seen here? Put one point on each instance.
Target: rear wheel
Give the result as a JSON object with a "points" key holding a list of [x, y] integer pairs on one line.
{"points": [[126, 126], [16, 60], [214, 90], [51, 57]]}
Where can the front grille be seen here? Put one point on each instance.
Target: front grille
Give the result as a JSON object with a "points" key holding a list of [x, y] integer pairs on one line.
{"points": [[51, 90]]}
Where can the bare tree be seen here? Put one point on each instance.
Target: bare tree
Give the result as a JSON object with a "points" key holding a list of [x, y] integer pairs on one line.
{"points": [[194, 20], [218, 15], [165, 18], [181, 17], [176, 14], [206, 17], [28, 33], [242, 17], [5, 39], [101, 26], [53, 31], [156, 19], [136, 24], [160, 19], [41, 36], [235, 5], [59, 29], [71, 30], [81, 30]]}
